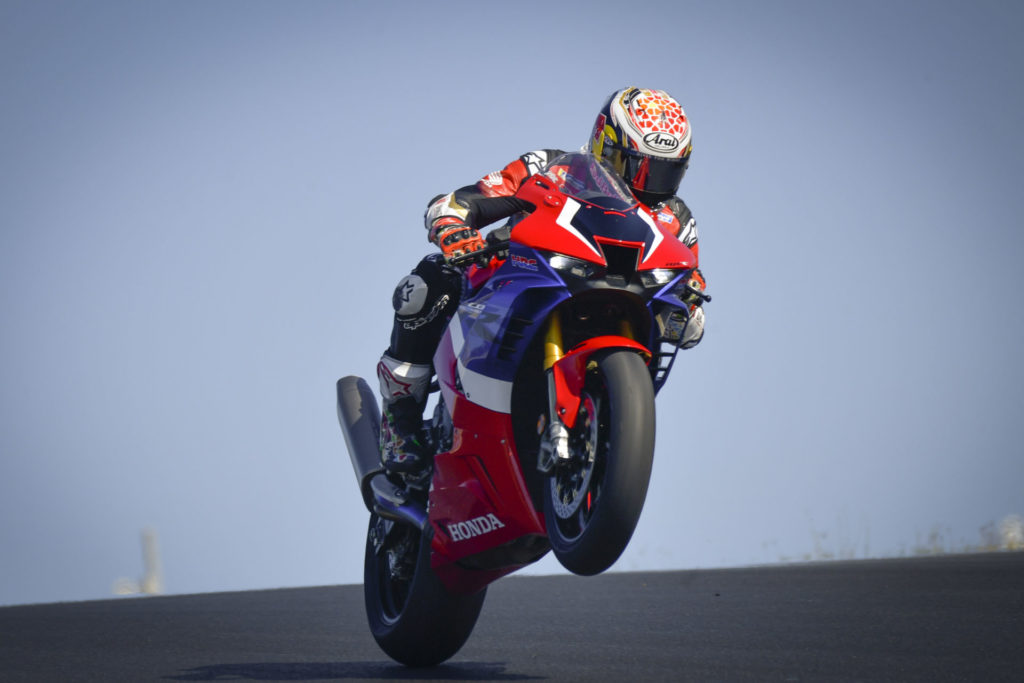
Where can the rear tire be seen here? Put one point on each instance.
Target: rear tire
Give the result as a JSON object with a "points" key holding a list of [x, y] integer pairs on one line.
{"points": [[412, 616], [592, 504]]}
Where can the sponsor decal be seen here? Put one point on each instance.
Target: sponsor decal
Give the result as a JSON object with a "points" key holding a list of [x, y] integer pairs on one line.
{"points": [[599, 126], [663, 142], [410, 295], [395, 386], [478, 526], [493, 179], [534, 161], [523, 262], [420, 322], [688, 235]]}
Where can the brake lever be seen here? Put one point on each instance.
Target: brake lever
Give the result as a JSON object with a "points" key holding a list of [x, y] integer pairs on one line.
{"points": [[479, 257], [497, 244]]}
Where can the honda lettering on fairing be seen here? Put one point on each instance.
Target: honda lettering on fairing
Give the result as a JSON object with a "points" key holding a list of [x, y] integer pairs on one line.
{"points": [[478, 526]]}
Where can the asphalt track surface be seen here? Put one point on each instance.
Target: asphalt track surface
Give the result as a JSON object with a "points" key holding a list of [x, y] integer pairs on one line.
{"points": [[953, 618]]}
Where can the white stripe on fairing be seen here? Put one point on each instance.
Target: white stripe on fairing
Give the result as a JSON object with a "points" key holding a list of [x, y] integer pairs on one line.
{"points": [[564, 219], [658, 236], [455, 327], [488, 392], [493, 394]]}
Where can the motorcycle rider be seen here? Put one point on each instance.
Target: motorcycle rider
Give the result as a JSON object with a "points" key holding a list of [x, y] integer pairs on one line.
{"points": [[643, 134]]}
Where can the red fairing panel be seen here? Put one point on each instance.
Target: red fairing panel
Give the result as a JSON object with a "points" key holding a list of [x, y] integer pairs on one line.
{"points": [[667, 251], [537, 231], [479, 499], [552, 227]]}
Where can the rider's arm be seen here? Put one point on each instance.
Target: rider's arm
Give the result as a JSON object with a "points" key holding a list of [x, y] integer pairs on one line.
{"points": [[490, 199], [674, 215]]}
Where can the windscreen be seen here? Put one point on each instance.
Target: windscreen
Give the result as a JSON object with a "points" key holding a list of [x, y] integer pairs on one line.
{"points": [[585, 177]]}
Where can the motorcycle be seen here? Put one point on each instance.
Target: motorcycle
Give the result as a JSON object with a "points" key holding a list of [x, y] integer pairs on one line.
{"points": [[543, 431]]}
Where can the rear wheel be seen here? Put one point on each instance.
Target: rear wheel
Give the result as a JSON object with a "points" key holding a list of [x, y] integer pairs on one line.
{"points": [[593, 503], [412, 616]]}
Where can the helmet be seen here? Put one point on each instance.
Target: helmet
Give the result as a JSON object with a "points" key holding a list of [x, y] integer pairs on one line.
{"points": [[645, 136]]}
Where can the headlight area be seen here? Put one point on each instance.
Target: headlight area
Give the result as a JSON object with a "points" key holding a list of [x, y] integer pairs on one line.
{"points": [[585, 270], [659, 276], [572, 266]]}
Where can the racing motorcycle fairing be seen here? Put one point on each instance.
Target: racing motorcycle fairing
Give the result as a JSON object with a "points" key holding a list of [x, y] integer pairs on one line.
{"points": [[601, 212], [481, 502], [479, 499]]}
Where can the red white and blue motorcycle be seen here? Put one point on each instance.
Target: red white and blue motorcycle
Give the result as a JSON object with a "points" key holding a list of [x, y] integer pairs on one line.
{"points": [[543, 432]]}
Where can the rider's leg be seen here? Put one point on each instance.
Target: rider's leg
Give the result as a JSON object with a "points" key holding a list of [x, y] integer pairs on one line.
{"points": [[423, 301]]}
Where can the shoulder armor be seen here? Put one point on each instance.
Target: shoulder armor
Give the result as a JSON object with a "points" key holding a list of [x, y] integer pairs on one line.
{"points": [[687, 223], [536, 160]]}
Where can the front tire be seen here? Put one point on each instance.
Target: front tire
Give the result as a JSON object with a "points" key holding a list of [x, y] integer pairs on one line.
{"points": [[593, 503], [412, 616]]}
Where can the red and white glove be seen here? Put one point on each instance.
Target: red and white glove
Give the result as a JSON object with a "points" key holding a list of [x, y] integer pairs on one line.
{"points": [[458, 240], [695, 327]]}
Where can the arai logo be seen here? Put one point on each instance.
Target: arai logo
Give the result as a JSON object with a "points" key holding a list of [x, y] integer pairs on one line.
{"points": [[663, 142]]}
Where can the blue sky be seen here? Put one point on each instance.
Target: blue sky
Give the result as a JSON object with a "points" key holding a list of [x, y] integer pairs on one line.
{"points": [[204, 208]]}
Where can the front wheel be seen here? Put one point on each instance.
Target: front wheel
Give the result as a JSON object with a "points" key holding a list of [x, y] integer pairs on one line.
{"points": [[412, 616], [593, 502]]}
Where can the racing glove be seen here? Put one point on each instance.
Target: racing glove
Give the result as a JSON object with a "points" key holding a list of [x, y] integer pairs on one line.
{"points": [[458, 239], [697, 282], [695, 327]]}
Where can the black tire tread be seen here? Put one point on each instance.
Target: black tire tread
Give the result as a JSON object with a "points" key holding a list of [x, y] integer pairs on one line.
{"points": [[433, 625], [628, 470]]}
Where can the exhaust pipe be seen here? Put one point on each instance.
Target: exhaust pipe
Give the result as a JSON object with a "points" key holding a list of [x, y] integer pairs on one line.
{"points": [[359, 418]]}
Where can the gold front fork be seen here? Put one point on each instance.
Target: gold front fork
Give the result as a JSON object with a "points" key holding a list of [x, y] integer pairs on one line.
{"points": [[555, 441], [553, 349], [626, 330], [554, 447]]}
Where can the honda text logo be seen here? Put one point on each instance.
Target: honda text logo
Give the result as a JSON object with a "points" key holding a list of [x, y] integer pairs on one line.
{"points": [[460, 531], [663, 142]]}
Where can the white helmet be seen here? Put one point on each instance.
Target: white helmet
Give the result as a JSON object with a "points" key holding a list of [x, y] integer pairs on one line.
{"points": [[645, 136]]}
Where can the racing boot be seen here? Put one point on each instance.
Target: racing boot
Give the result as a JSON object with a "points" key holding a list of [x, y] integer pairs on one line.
{"points": [[402, 446], [403, 387]]}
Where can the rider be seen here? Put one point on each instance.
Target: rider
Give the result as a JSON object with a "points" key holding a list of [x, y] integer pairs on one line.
{"points": [[643, 134]]}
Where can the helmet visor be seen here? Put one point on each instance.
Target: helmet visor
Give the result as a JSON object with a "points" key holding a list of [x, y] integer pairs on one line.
{"points": [[653, 175]]}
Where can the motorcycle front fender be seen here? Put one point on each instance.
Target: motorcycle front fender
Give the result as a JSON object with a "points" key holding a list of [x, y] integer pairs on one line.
{"points": [[570, 371]]}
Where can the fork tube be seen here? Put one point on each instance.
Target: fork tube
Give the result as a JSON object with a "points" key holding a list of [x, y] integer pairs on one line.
{"points": [[555, 445], [553, 350], [553, 341]]}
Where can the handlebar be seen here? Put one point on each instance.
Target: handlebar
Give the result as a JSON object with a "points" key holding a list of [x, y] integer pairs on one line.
{"points": [[497, 242], [696, 293]]}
